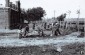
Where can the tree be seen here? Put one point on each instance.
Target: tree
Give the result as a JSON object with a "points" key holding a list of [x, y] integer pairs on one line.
{"points": [[35, 14], [61, 17]]}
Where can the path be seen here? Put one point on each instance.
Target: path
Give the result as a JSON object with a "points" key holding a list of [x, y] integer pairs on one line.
{"points": [[59, 41]]}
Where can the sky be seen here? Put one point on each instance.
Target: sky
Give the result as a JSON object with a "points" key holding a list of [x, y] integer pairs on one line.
{"points": [[55, 7]]}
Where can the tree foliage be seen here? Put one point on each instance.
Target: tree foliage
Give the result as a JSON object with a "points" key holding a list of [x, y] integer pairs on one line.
{"points": [[35, 14], [61, 17]]}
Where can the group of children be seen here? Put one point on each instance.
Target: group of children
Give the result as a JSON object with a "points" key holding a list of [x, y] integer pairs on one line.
{"points": [[55, 30]]}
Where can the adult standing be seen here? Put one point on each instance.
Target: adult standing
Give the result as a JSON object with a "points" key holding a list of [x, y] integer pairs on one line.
{"points": [[26, 30], [56, 28]]}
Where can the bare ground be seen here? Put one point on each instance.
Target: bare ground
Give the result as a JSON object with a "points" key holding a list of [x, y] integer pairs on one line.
{"points": [[77, 48], [71, 49]]}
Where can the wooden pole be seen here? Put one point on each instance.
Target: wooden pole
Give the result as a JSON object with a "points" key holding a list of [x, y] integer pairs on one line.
{"points": [[78, 19], [54, 14], [84, 27], [78, 12]]}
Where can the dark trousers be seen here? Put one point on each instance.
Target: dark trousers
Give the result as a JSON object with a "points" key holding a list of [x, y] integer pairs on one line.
{"points": [[57, 32]]}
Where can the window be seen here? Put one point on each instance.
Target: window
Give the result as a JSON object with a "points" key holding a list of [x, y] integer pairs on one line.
{"points": [[73, 23], [81, 23]]}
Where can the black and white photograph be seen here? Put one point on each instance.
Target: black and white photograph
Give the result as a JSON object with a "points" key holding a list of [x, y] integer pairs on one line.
{"points": [[42, 27]]}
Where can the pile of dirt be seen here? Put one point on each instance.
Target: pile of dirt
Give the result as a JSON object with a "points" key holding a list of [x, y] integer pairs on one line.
{"points": [[65, 31], [81, 34]]}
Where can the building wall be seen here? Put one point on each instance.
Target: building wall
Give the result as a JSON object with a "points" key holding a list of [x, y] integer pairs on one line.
{"points": [[14, 19], [74, 23], [4, 22], [11, 16]]}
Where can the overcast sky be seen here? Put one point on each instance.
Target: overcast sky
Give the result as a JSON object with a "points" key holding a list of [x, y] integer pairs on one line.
{"points": [[60, 6]]}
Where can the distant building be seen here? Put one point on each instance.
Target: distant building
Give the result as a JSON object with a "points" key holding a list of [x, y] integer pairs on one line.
{"points": [[11, 15], [73, 23]]}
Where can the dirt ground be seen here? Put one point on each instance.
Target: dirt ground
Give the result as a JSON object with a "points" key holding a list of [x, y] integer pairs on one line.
{"points": [[71, 49], [28, 49]]}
